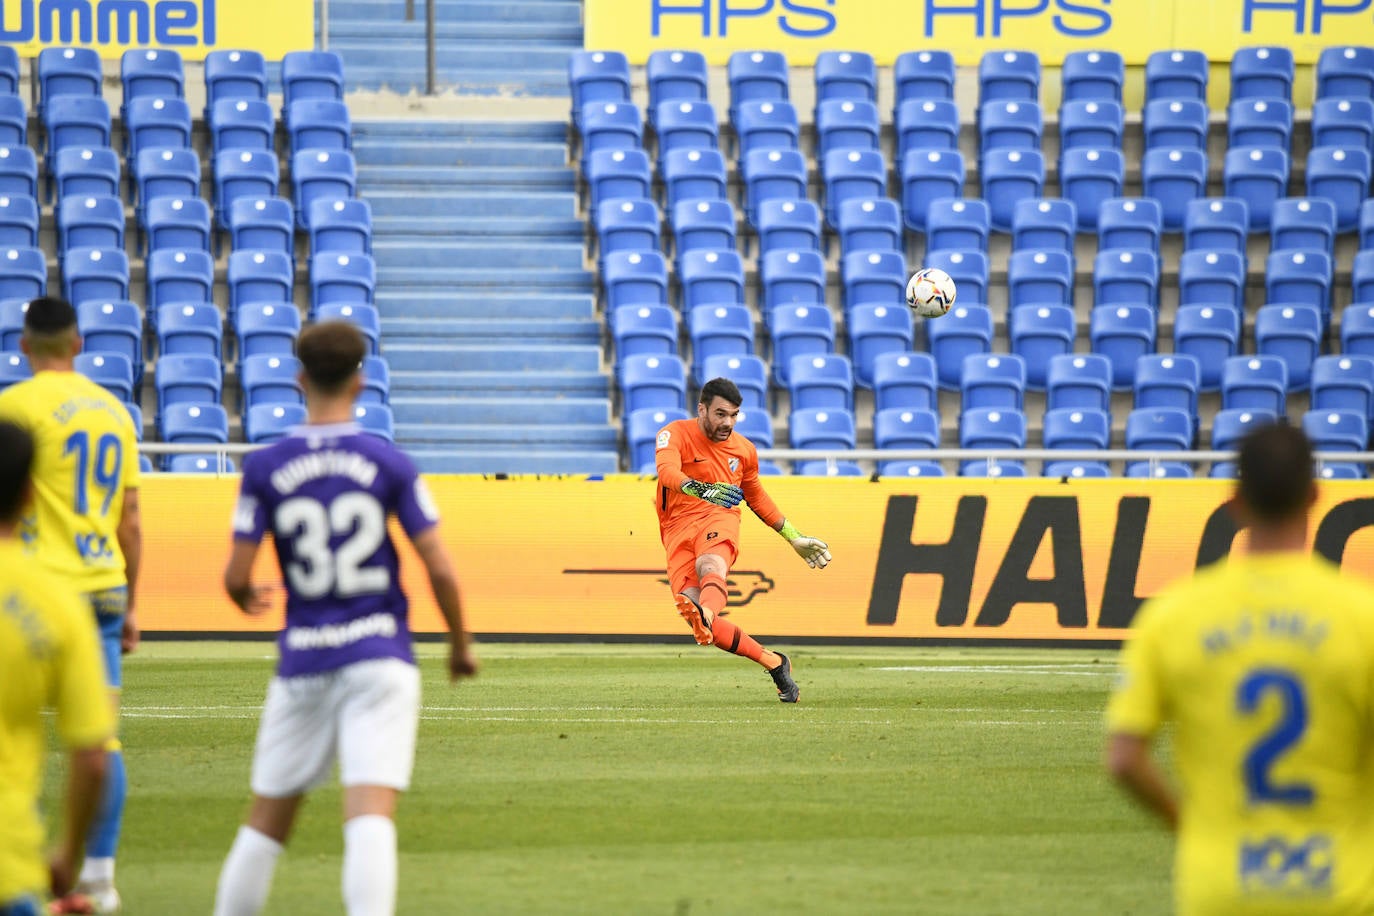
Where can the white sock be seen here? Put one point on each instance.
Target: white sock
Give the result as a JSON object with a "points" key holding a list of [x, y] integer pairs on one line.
{"points": [[97, 871], [247, 874], [369, 866]]}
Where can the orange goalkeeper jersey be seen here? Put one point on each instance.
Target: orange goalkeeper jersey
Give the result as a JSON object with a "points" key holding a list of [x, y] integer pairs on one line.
{"points": [[683, 452]]}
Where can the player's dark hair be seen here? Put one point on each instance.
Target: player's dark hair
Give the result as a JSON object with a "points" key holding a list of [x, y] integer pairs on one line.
{"points": [[1276, 466], [721, 388], [16, 460], [49, 323], [330, 353]]}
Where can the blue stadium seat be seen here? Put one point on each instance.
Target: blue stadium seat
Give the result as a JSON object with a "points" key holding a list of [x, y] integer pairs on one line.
{"points": [[1362, 276], [197, 464], [1039, 278], [269, 224], [1044, 224], [266, 423], [68, 72], [620, 173], [311, 75], [1254, 383], [23, 273], [1168, 380], [799, 330], [822, 429], [646, 330], [749, 373], [676, 76], [1343, 382], [910, 469], [703, 224], [1038, 334], [923, 75], [156, 124], [906, 428], [1357, 329], [1082, 380], [267, 328], [233, 75], [243, 124], [597, 77], [177, 222], [1123, 334], [905, 380], [245, 174], [12, 324], [14, 367], [1076, 469], [1342, 175], [845, 75], [1089, 178], [1212, 278], [1262, 72], [9, 70], [187, 379], [1126, 277], [994, 380], [756, 76], [968, 269], [1337, 430], [194, 423], [1345, 73], [1010, 176], [964, 331], [1340, 470], [339, 279], [1299, 277], [719, 330], [179, 276], [172, 173], [1160, 429], [846, 124], [852, 175], [821, 382], [1303, 222], [364, 317], [1175, 124], [111, 371], [14, 121], [870, 225], [788, 224], [269, 379], [611, 125], [1259, 176], [1091, 124], [635, 278], [694, 174], [767, 125], [992, 428], [112, 327], [343, 225], [1231, 425], [641, 428], [995, 468], [268, 276], [1343, 123], [1216, 224], [76, 121], [1161, 470], [1210, 335], [955, 223], [1009, 75], [19, 221], [19, 170], [710, 277], [1009, 124], [874, 278], [686, 125], [92, 172], [1260, 123], [653, 381], [927, 175], [626, 224], [756, 425], [771, 174], [792, 277], [926, 124], [1176, 75], [95, 274], [319, 175], [1294, 334], [1093, 76], [1129, 222], [318, 124], [875, 331], [1174, 177], [1075, 428]]}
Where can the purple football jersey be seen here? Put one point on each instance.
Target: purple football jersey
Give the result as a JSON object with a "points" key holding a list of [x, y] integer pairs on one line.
{"points": [[325, 492]]}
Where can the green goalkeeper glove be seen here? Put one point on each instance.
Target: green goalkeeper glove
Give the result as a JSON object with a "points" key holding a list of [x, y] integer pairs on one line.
{"points": [[720, 494], [814, 551]]}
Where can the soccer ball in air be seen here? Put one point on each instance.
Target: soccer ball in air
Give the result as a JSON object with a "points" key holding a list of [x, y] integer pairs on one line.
{"points": [[930, 292]]}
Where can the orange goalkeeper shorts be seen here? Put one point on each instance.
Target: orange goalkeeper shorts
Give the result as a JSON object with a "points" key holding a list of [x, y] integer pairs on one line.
{"points": [[685, 543]]}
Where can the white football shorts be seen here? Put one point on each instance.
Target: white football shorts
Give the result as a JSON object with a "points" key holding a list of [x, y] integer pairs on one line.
{"points": [[364, 715]]}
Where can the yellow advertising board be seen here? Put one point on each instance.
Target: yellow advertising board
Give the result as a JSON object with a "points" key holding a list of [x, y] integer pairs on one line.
{"points": [[969, 28], [954, 559], [192, 28]]}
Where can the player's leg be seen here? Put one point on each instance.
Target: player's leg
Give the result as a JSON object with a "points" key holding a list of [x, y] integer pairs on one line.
{"points": [[246, 877], [682, 579], [379, 715]]}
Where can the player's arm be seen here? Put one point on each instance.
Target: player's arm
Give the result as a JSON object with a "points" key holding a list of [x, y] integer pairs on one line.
{"points": [[814, 551], [1131, 764], [238, 579], [443, 581], [85, 783], [129, 534], [1134, 714], [668, 462]]}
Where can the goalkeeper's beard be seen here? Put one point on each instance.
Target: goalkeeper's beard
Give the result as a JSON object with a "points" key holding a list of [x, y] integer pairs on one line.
{"points": [[718, 433]]}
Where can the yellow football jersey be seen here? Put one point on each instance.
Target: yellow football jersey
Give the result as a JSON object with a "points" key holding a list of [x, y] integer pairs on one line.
{"points": [[87, 456], [51, 660], [1265, 666]]}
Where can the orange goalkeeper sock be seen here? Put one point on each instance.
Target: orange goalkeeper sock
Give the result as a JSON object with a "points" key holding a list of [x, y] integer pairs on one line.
{"points": [[731, 638]]}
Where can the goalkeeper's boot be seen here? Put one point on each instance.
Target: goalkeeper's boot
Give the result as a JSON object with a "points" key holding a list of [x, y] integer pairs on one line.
{"points": [[788, 691], [697, 617]]}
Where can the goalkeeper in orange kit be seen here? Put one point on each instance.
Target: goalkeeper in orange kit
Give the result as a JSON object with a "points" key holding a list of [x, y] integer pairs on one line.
{"points": [[705, 471]]}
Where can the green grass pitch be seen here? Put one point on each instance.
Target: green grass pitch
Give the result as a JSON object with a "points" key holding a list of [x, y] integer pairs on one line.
{"points": [[666, 780]]}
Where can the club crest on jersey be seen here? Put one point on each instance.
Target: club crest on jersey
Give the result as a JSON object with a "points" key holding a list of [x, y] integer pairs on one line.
{"points": [[734, 465], [663, 437]]}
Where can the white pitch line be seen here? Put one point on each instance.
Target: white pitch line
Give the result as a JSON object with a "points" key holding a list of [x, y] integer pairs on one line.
{"points": [[1028, 670]]}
